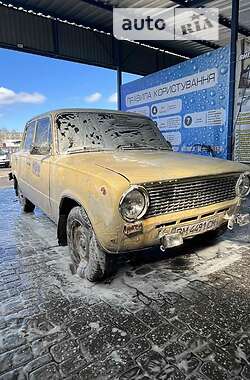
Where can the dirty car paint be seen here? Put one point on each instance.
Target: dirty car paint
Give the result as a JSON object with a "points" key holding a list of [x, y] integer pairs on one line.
{"points": [[116, 150]]}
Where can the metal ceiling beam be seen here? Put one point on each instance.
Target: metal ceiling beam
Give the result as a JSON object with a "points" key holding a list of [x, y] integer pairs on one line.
{"points": [[223, 20], [194, 3], [20, 4], [233, 55], [109, 8], [99, 4], [27, 32]]}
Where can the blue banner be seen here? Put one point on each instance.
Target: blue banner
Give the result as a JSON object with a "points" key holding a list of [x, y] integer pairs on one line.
{"points": [[188, 102]]}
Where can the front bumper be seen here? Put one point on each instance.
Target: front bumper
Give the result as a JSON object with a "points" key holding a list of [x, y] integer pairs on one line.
{"points": [[149, 232], [4, 162], [175, 239]]}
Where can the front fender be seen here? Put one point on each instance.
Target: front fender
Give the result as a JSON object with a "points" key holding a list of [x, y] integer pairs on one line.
{"points": [[99, 194]]}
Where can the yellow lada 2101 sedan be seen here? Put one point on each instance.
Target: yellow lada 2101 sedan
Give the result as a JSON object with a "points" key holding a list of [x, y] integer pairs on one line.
{"points": [[112, 184]]}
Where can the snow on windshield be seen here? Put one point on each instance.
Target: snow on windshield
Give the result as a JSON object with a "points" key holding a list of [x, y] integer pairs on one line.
{"points": [[79, 130]]}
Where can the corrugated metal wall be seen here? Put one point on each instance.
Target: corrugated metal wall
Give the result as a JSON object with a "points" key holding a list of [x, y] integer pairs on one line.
{"points": [[34, 34]]}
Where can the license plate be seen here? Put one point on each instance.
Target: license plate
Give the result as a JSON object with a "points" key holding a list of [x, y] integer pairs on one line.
{"points": [[195, 229]]}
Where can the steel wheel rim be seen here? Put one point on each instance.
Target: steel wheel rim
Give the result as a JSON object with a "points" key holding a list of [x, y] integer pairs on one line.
{"points": [[80, 242]]}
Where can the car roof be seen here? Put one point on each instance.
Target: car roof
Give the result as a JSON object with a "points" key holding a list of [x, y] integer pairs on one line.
{"points": [[92, 110]]}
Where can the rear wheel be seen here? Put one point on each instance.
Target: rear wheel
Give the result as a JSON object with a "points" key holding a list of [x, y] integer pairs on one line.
{"points": [[26, 204], [88, 258]]}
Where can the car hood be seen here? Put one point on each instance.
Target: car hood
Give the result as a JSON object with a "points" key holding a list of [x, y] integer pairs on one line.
{"points": [[146, 166]]}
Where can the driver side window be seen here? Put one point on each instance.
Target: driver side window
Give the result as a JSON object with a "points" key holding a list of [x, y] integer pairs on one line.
{"points": [[29, 136], [43, 133]]}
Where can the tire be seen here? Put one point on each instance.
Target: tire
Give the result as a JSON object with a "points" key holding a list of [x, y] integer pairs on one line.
{"points": [[89, 260], [26, 204]]}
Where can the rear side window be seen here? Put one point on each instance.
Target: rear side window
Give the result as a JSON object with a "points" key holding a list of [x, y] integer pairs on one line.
{"points": [[29, 135], [43, 132]]}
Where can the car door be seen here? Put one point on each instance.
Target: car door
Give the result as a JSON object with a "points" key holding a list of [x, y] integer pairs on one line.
{"points": [[22, 160], [40, 158]]}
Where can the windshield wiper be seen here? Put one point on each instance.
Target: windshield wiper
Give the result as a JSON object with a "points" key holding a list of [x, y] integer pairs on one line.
{"points": [[83, 149], [138, 146]]}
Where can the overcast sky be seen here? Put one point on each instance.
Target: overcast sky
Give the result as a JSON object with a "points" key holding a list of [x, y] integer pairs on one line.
{"points": [[30, 85]]}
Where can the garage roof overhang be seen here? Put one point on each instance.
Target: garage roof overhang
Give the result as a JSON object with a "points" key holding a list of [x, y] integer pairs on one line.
{"points": [[81, 31]]}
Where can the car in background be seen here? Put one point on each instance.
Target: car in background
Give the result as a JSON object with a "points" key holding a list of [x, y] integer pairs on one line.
{"points": [[113, 185], [4, 159]]}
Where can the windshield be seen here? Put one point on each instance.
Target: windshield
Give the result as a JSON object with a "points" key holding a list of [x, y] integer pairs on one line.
{"points": [[2, 153], [89, 131]]}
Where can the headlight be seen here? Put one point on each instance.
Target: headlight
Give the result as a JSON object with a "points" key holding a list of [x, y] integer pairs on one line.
{"points": [[243, 185], [134, 203]]}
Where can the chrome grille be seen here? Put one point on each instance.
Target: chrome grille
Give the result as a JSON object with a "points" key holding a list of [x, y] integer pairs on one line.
{"points": [[173, 196]]}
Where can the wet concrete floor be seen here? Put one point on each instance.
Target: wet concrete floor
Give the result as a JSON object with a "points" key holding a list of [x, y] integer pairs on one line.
{"points": [[181, 315]]}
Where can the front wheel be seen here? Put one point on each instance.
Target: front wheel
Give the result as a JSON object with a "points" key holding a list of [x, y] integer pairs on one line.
{"points": [[88, 258]]}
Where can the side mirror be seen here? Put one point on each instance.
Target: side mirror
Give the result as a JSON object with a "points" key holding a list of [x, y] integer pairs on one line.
{"points": [[40, 150]]}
